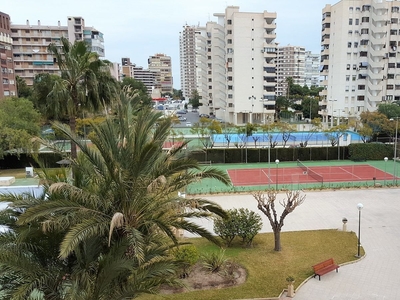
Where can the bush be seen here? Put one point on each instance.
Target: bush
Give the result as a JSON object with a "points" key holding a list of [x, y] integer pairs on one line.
{"points": [[187, 256], [214, 261], [243, 223]]}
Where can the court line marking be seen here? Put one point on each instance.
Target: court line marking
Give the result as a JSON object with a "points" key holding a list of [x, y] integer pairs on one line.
{"points": [[268, 177], [352, 174]]}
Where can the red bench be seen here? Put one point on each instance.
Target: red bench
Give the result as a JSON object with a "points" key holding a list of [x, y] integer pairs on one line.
{"points": [[325, 267]]}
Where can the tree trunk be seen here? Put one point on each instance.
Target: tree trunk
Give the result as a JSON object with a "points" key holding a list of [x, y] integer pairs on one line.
{"points": [[277, 239], [72, 125]]}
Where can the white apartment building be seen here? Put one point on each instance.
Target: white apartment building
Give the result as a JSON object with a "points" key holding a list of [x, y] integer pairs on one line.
{"points": [[30, 42], [290, 63], [130, 70], [236, 56], [359, 57], [311, 69]]}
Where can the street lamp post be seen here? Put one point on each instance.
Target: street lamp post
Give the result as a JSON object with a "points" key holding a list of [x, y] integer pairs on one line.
{"points": [[332, 112], [395, 152], [385, 159], [252, 98], [276, 179], [359, 207]]}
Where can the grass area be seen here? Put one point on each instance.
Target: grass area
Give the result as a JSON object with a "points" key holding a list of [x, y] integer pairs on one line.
{"points": [[17, 173], [268, 269]]}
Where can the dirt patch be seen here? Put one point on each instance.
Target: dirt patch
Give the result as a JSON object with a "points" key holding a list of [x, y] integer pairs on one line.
{"points": [[201, 279]]}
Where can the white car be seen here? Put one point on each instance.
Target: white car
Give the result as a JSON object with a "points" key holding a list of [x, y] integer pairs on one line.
{"points": [[188, 124]]}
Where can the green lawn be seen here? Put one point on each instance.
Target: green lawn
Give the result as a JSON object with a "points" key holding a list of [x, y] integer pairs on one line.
{"points": [[17, 173], [267, 269]]}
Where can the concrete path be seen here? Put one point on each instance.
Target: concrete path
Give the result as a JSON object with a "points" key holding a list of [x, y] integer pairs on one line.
{"points": [[376, 276]]}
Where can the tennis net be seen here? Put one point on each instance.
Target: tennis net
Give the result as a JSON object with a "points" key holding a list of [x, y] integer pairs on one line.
{"points": [[310, 172]]}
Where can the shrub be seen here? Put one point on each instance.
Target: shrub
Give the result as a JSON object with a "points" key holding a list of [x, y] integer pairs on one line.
{"points": [[187, 256], [214, 261], [243, 223]]}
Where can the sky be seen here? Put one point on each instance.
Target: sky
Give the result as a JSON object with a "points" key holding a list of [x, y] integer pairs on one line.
{"points": [[138, 29]]}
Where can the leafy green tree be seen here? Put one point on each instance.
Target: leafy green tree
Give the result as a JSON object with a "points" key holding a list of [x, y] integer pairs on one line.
{"points": [[195, 99], [335, 133], [24, 91], [378, 122], [42, 87], [365, 132], [19, 124], [389, 110], [138, 90], [86, 83]]}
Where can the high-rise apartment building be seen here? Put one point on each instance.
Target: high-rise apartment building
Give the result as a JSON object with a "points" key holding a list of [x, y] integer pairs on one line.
{"points": [[8, 85], [311, 69], [235, 65], [30, 42], [187, 56], [161, 65], [290, 63], [359, 57]]}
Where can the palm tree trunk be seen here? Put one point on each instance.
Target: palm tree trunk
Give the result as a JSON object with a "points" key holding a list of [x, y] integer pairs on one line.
{"points": [[72, 124]]}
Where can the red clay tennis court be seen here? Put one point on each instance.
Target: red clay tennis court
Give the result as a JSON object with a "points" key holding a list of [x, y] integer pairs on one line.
{"points": [[303, 174]]}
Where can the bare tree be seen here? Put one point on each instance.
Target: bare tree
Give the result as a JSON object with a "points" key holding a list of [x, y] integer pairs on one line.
{"points": [[266, 203]]}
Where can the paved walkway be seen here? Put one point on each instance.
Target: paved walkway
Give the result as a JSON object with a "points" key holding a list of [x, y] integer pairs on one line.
{"points": [[374, 277]]}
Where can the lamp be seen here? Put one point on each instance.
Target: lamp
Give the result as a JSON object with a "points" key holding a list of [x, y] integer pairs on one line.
{"points": [[385, 159], [359, 207], [276, 183]]}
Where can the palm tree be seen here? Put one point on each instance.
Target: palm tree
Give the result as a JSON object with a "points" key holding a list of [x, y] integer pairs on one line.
{"points": [[86, 82], [119, 210]]}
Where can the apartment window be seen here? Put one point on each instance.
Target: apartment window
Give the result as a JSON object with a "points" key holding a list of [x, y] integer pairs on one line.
{"points": [[364, 19], [209, 65], [394, 20], [389, 87], [229, 41], [363, 54], [353, 88], [350, 8], [350, 21], [350, 32], [230, 78], [210, 87], [347, 88], [230, 59], [14, 30], [390, 76], [395, 9], [360, 98], [27, 31], [393, 32], [209, 80], [229, 31], [354, 67], [347, 67], [391, 65], [397, 87], [229, 22], [230, 96], [353, 78], [347, 77], [357, 21], [230, 87], [229, 50], [361, 87], [208, 57], [364, 42], [355, 44], [229, 69], [356, 32], [349, 45], [28, 39]]}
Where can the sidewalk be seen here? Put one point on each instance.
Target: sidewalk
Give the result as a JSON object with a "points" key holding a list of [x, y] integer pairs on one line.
{"points": [[374, 277]]}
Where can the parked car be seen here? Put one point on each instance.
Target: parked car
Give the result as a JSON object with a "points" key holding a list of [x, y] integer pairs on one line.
{"points": [[180, 118], [204, 116], [188, 124]]}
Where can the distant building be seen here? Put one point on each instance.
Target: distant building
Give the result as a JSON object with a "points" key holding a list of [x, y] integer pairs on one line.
{"points": [[311, 70], [187, 54], [161, 65], [290, 63], [147, 77], [30, 44], [8, 85]]}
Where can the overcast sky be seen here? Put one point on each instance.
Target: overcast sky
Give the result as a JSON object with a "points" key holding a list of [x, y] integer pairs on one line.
{"points": [[140, 28]]}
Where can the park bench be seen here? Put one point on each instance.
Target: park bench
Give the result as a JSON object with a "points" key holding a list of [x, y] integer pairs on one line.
{"points": [[324, 267]]}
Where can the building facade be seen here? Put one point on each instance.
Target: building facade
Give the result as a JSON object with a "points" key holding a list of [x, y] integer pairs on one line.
{"points": [[187, 57], [8, 84], [233, 65], [311, 69], [359, 57], [161, 65], [290, 63], [30, 42], [130, 70]]}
